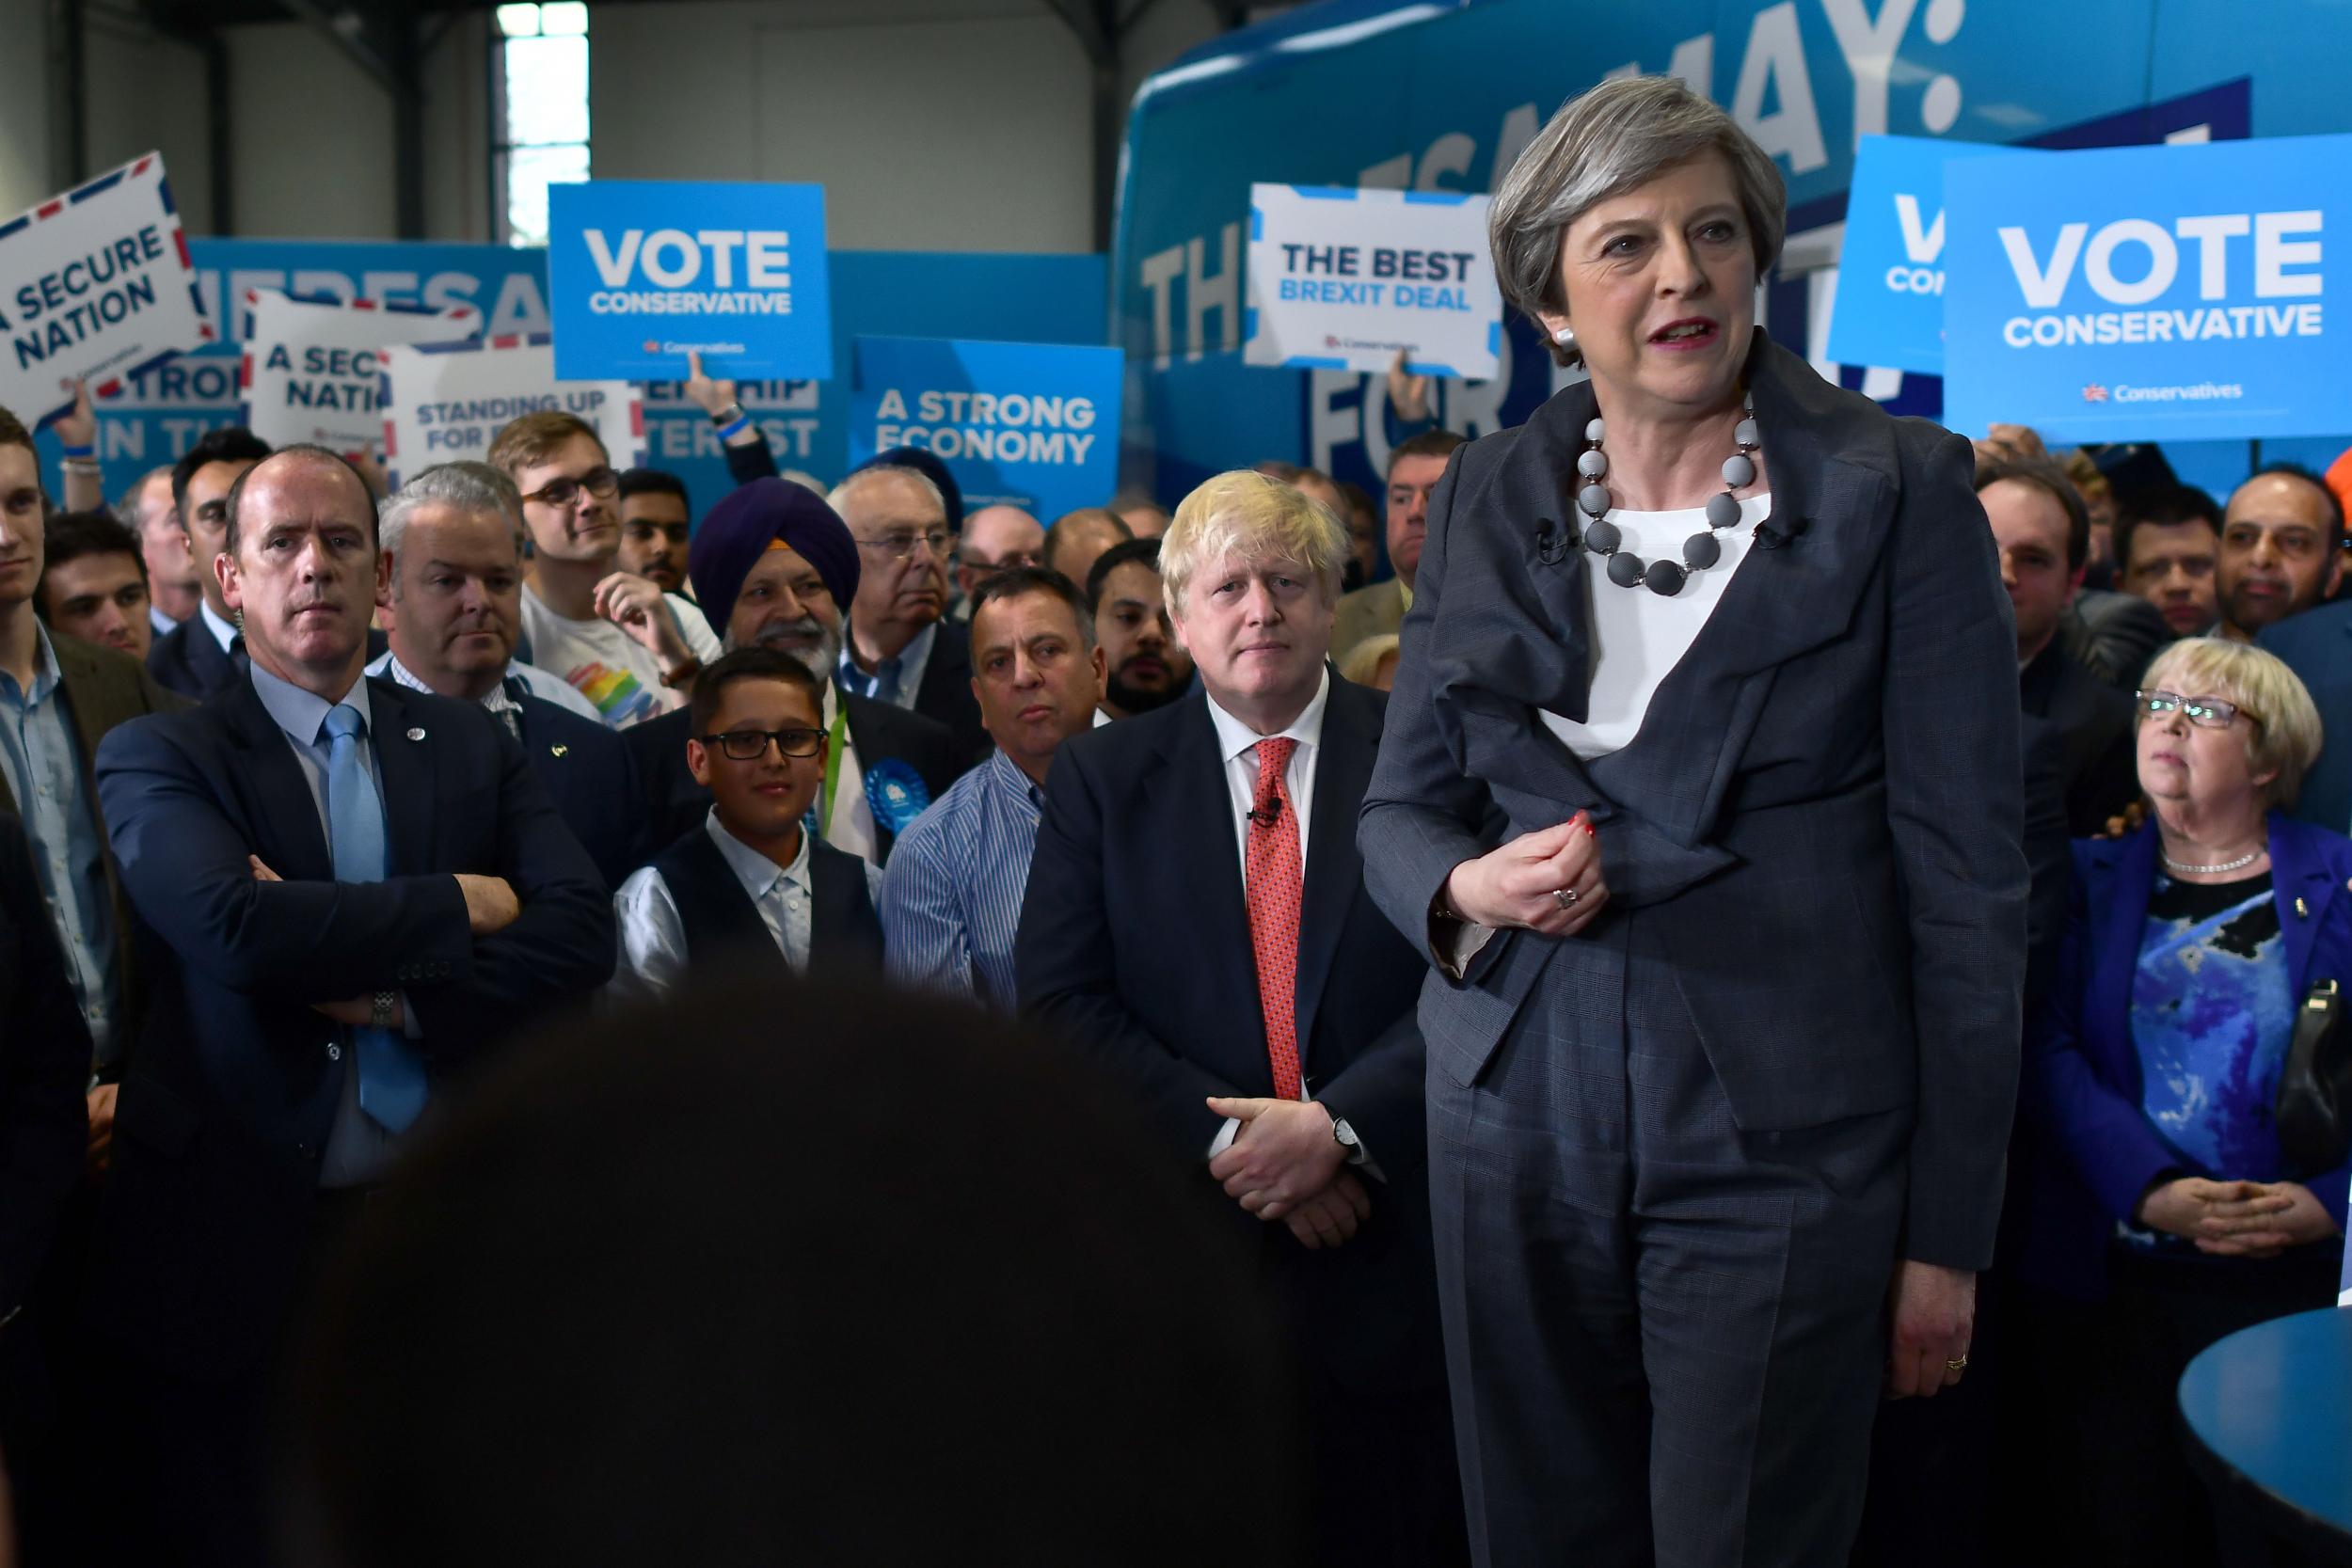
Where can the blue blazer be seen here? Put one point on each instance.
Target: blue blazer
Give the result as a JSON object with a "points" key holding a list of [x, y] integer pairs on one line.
{"points": [[2317, 646], [222, 1120], [590, 776], [2083, 1084]]}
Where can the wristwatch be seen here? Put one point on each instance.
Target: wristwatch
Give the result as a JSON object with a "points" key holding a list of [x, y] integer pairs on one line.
{"points": [[1345, 1136], [728, 415], [380, 1016]]}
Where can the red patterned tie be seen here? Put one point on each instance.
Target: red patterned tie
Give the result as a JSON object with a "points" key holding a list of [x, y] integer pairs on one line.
{"points": [[1275, 882]]}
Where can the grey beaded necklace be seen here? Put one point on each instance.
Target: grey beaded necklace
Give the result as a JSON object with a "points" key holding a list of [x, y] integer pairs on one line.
{"points": [[1699, 551]]}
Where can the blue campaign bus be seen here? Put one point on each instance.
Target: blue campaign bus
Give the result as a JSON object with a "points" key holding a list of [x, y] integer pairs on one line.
{"points": [[1442, 94]]}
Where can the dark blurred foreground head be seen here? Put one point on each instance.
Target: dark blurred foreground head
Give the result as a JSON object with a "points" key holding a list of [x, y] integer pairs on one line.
{"points": [[778, 1275]]}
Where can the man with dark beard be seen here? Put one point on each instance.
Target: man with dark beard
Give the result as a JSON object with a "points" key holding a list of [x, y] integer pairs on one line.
{"points": [[1149, 668], [775, 566]]}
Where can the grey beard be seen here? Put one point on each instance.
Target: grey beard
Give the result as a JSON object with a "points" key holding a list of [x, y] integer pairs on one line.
{"points": [[822, 659]]}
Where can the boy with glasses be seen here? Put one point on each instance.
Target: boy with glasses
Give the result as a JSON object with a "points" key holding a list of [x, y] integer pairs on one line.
{"points": [[751, 883], [632, 650]]}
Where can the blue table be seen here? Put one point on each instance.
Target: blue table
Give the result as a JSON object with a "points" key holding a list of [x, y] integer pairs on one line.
{"points": [[2268, 1412]]}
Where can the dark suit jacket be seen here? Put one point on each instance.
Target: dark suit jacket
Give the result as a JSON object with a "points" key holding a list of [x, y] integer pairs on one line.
{"points": [[676, 804], [105, 688], [223, 1120], [2113, 635], [1135, 948], [2317, 646], [2102, 762], [1820, 817], [945, 695], [44, 1059], [2083, 1081], [188, 660], [590, 775]]}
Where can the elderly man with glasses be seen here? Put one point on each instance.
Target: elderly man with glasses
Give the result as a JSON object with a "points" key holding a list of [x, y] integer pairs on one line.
{"points": [[901, 649], [616, 637]]}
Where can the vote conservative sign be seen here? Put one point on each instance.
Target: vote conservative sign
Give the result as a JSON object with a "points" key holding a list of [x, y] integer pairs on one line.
{"points": [[1889, 309], [443, 403], [642, 272], [310, 372], [2179, 292], [95, 284], [1345, 280], [1034, 425]]}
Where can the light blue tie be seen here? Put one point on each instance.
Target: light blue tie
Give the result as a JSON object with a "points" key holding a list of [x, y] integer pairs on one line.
{"points": [[391, 1076]]}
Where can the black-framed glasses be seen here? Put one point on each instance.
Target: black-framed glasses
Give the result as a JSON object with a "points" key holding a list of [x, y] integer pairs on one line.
{"points": [[751, 745], [559, 493], [898, 545], [2210, 712]]}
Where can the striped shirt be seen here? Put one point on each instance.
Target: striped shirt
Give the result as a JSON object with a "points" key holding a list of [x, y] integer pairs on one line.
{"points": [[951, 895]]}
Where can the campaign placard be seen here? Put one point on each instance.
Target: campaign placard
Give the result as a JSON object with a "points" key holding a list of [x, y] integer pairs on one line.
{"points": [[310, 372], [1890, 263], [1343, 279], [1034, 425], [443, 403], [2178, 292], [95, 284], [642, 272]]}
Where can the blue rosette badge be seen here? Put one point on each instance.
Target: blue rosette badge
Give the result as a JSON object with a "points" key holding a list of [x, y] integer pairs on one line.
{"points": [[896, 795]]}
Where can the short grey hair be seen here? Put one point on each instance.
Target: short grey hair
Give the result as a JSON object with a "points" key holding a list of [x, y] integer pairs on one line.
{"points": [[126, 508], [1603, 143], [900, 470], [469, 486]]}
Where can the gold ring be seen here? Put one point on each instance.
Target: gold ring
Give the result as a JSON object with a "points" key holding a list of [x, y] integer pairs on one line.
{"points": [[1958, 1366]]}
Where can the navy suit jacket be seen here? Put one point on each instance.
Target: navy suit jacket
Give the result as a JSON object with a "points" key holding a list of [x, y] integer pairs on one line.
{"points": [[2317, 646], [223, 1120], [590, 777], [1135, 948], [1820, 814], [2083, 1084], [188, 660], [676, 804]]}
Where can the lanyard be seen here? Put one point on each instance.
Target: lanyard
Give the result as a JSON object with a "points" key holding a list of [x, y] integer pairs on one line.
{"points": [[832, 766]]}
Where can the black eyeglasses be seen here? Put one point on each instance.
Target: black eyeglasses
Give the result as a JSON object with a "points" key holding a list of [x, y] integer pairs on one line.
{"points": [[561, 493], [751, 745], [2211, 712]]}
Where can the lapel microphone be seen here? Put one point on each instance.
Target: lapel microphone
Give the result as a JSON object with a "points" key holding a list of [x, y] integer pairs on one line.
{"points": [[1771, 538], [1268, 815]]}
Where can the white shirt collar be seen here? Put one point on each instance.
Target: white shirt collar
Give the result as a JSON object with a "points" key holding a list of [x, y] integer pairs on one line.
{"points": [[223, 633], [497, 700], [1234, 738], [756, 872]]}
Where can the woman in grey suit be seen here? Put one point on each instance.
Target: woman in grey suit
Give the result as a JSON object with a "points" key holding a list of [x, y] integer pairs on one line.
{"points": [[1700, 787]]}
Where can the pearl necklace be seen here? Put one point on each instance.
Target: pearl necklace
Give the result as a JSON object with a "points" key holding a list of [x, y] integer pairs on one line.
{"points": [[2238, 864], [1699, 551]]}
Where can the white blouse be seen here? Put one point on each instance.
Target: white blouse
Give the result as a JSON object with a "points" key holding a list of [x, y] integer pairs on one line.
{"points": [[1637, 637]]}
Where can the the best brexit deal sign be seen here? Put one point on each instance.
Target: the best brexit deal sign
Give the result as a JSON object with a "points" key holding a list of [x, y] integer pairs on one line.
{"points": [[2154, 293], [94, 283], [642, 272], [1035, 425], [1346, 280]]}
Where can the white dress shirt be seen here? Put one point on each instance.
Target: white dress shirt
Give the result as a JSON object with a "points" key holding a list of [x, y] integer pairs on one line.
{"points": [[851, 828], [1237, 745], [223, 633], [653, 939], [535, 682]]}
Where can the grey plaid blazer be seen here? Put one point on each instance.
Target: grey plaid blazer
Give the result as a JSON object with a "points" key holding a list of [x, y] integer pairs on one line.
{"points": [[1822, 808]]}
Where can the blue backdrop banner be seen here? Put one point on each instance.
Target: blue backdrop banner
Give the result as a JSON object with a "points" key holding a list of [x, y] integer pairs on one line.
{"points": [[1035, 425], [2150, 293], [643, 271]]}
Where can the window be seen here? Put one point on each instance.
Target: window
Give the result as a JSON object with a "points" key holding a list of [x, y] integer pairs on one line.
{"points": [[539, 98]]}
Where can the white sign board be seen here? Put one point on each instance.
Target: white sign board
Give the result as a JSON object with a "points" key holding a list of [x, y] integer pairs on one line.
{"points": [[443, 403], [95, 284], [1345, 280], [310, 370]]}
